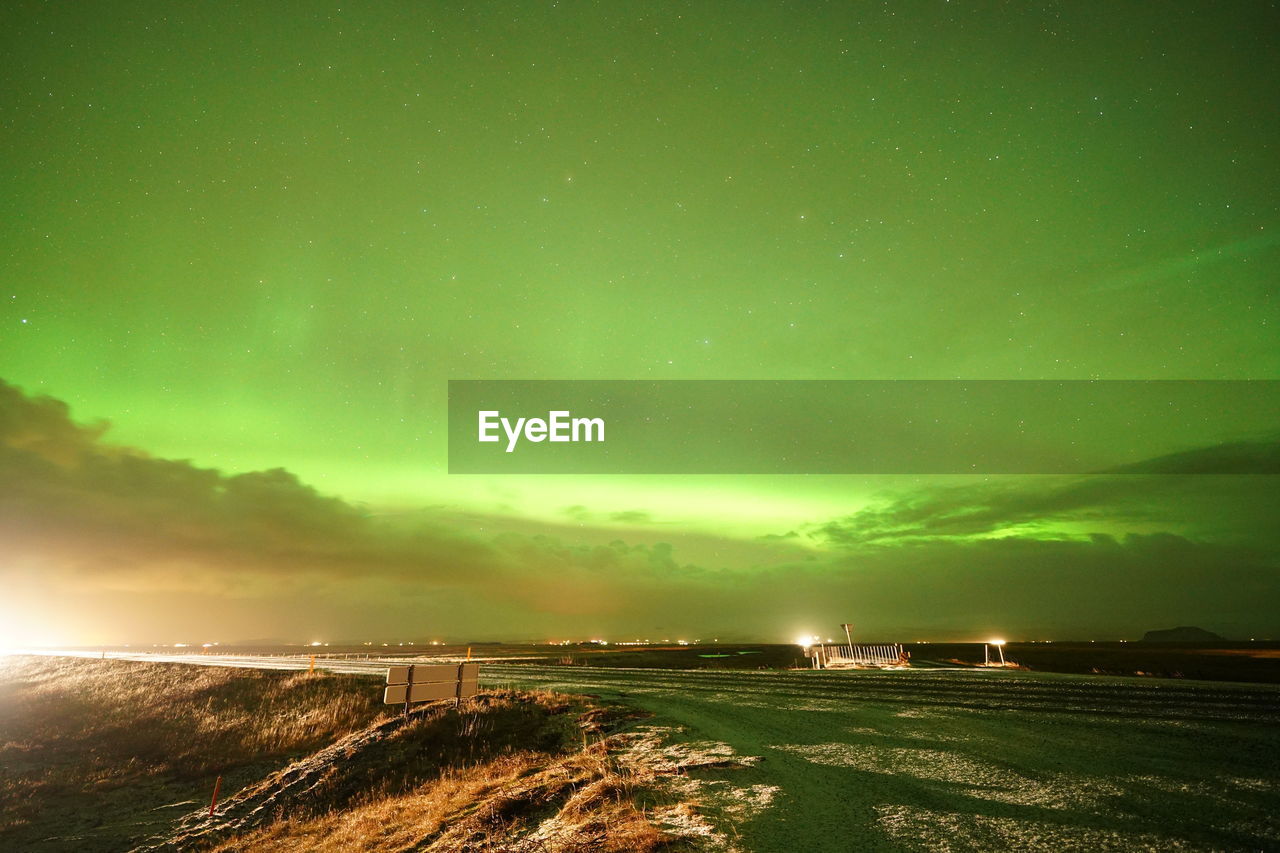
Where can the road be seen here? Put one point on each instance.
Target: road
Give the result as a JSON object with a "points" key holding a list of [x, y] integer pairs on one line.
{"points": [[351, 664], [942, 760]]}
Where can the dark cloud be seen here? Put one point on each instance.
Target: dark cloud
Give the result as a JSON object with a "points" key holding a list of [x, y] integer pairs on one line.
{"points": [[581, 514], [1069, 556], [68, 498], [122, 545], [577, 512], [78, 512], [1218, 507], [1240, 457], [631, 516], [1093, 586]]}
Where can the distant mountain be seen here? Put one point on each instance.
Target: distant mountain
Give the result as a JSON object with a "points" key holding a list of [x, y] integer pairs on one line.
{"points": [[1185, 634]]}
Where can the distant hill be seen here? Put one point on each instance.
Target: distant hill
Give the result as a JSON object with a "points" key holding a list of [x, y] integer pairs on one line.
{"points": [[1185, 634]]}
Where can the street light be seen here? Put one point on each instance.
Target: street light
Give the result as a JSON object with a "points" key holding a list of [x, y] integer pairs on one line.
{"points": [[817, 655], [999, 644]]}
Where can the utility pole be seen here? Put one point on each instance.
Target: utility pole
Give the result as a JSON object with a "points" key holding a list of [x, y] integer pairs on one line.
{"points": [[848, 637]]}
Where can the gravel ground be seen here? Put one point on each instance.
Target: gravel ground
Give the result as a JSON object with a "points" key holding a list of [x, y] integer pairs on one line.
{"points": [[938, 760]]}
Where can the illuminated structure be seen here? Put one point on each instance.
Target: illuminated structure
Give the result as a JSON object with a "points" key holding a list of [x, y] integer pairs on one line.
{"points": [[986, 653]]}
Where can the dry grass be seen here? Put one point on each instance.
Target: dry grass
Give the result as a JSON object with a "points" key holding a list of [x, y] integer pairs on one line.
{"points": [[523, 803], [508, 771], [143, 735], [175, 718], [103, 755], [394, 822]]}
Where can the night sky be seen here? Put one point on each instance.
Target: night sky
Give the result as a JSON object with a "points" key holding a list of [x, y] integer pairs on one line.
{"points": [[259, 239]]}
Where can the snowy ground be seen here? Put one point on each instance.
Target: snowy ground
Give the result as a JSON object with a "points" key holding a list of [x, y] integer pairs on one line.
{"points": [[966, 760]]}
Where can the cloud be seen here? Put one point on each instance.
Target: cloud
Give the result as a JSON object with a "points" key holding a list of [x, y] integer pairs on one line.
{"points": [[631, 516], [67, 497], [1241, 457], [577, 512], [1220, 507], [109, 543], [582, 515], [42, 427], [1093, 586], [78, 513]]}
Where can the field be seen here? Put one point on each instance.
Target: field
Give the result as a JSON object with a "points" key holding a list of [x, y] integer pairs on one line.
{"points": [[949, 760], [1224, 661], [114, 755], [1217, 661], [146, 741], [561, 753]]}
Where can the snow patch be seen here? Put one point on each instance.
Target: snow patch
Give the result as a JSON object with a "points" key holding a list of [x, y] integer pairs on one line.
{"points": [[912, 828], [979, 779], [656, 752]]}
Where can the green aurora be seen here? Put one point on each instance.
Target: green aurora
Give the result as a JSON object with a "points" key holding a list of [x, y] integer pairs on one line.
{"points": [[260, 237]]}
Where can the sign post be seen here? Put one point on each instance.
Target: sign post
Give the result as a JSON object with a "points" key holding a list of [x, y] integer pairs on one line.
{"points": [[427, 682]]}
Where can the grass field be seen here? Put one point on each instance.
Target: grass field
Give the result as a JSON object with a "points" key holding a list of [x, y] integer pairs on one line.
{"points": [[562, 754], [116, 755], [144, 742]]}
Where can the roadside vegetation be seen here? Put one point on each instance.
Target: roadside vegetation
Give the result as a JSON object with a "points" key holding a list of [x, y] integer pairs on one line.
{"points": [[94, 752], [115, 755], [513, 771]]}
